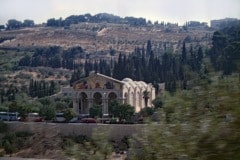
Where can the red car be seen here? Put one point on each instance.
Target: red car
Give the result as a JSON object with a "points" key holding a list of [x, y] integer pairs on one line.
{"points": [[32, 117], [88, 120]]}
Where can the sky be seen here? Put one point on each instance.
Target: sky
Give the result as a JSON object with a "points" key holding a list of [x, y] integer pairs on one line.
{"points": [[174, 11]]}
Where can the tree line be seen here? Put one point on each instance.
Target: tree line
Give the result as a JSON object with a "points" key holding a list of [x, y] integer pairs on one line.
{"points": [[149, 66], [16, 24], [98, 18], [41, 88], [143, 64], [53, 56], [225, 53]]}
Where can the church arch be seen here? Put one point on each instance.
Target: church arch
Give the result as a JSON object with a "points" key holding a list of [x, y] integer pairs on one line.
{"points": [[97, 98], [126, 97], [112, 97]]}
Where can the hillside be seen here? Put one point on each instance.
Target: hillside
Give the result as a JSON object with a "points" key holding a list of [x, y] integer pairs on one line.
{"points": [[96, 37], [199, 68]]}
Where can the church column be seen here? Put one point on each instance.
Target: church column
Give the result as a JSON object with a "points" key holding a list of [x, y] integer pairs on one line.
{"points": [[76, 103], [140, 99], [82, 104], [105, 104], [134, 97], [122, 98]]}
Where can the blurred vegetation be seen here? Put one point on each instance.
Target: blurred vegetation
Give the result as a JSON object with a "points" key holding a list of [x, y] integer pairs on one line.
{"points": [[202, 123], [98, 147], [13, 142], [3, 127]]}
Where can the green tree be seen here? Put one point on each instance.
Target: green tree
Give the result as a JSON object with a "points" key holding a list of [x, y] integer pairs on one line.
{"points": [[23, 108], [14, 24], [61, 106], [47, 112], [184, 54], [147, 111], [48, 108], [69, 114], [225, 51], [52, 22], [149, 48], [146, 97], [25, 61], [28, 23], [122, 111], [158, 102], [56, 61], [95, 111]]}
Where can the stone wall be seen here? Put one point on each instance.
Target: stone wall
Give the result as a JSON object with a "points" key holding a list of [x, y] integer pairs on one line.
{"points": [[116, 131]]}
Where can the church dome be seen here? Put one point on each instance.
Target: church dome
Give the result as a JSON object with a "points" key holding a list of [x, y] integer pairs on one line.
{"points": [[142, 83]]}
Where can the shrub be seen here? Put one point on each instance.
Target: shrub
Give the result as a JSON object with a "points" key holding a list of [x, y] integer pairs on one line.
{"points": [[3, 127], [13, 142], [9, 143]]}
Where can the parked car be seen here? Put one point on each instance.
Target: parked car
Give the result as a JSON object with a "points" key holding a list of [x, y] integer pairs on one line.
{"points": [[103, 120], [88, 120], [59, 118], [32, 117], [74, 120]]}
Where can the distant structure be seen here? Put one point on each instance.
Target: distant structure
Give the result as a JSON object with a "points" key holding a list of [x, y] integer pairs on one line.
{"points": [[196, 24], [161, 88], [98, 89], [222, 23]]}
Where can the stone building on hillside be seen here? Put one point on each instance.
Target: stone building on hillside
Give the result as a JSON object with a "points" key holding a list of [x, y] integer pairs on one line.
{"points": [[98, 89]]}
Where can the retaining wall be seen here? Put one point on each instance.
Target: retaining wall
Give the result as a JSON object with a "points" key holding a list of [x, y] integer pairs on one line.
{"points": [[116, 131]]}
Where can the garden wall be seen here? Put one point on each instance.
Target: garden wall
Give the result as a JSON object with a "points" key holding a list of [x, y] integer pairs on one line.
{"points": [[117, 131]]}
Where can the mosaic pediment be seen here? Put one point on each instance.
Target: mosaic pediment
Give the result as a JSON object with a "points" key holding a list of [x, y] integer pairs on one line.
{"points": [[98, 81]]}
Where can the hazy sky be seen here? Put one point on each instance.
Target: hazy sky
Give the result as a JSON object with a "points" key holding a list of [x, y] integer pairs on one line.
{"points": [[178, 11]]}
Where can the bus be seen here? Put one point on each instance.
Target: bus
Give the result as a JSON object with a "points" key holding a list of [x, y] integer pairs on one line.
{"points": [[59, 118], [9, 116]]}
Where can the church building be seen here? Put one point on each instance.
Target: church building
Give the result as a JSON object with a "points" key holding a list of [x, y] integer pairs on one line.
{"points": [[98, 89]]}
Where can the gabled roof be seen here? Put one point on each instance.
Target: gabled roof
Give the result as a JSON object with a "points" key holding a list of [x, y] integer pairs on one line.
{"points": [[110, 78], [100, 75]]}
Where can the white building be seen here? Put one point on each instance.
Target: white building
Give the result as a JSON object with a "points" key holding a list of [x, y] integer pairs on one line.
{"points": [[102, 90]]}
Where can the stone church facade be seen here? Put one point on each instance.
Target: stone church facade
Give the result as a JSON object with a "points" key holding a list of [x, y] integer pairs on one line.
{"points": [[98, 89]]}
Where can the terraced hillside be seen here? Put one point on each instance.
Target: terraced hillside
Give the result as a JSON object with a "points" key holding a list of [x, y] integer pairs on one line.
{"points": [[95, 37]]}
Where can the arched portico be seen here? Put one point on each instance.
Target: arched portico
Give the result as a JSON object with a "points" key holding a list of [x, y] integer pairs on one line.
{"points": [[87, 99], [98, 89]]}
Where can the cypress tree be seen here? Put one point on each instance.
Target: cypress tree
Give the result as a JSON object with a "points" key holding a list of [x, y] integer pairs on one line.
{"points": [[184, 54], [149, 48]]}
